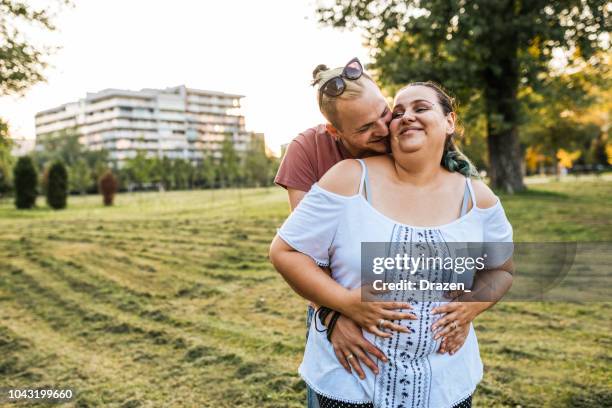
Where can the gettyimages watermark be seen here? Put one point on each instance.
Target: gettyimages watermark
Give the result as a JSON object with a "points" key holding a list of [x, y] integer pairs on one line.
{"points": [[439, 271]]}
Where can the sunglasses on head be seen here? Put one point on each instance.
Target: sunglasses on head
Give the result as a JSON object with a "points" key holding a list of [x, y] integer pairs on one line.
{"points": [[335, 86]]}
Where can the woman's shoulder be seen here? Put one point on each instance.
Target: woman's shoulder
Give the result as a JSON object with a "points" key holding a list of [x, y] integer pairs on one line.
{"points": [[485, 198], [343, 178]]}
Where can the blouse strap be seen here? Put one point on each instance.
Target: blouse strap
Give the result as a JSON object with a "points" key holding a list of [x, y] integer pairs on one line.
{"points": [[364, 169], [470, 188], [466, 199], [364, 182]]}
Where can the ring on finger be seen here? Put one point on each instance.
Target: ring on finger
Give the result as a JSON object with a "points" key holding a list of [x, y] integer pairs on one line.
{"points": [[454, 325], [381, 324], [348, 358]]}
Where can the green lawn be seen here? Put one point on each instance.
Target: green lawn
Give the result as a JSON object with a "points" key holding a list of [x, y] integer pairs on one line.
{"points": [[167, 299]]}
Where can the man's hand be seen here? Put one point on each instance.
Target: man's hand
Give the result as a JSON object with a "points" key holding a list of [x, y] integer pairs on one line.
{"points": [[375, 316], [347, 339]]}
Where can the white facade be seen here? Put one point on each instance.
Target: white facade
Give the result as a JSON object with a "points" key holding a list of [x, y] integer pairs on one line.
{"points": [[177, 122], [21, 146]]}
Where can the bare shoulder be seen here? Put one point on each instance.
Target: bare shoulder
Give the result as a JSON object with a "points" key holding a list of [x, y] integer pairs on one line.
{"points": [[379, 160], [343, 178], [380, 164], [485, 198]]}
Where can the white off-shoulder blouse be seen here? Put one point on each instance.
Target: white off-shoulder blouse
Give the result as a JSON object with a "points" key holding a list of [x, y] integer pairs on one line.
{"points": [[330, 229]]}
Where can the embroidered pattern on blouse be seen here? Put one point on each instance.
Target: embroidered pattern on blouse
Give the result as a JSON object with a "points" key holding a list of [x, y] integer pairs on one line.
{"points": [[405, 381]]}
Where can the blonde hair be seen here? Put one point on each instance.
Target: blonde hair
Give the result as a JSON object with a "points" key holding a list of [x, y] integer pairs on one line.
{"points": [[327, 104]]}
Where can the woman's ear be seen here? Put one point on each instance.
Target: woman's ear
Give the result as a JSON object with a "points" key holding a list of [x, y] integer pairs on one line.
{"points": [[450, 123]]}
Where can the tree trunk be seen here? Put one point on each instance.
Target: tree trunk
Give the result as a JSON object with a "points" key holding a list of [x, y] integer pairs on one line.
{"points": [[505, 158], [502, 79]]}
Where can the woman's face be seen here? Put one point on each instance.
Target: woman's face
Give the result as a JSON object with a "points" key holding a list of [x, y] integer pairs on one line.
{"points": [[418, 122]]}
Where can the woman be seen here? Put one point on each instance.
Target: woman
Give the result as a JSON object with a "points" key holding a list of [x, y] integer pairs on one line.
{"points": [[422, 193]]}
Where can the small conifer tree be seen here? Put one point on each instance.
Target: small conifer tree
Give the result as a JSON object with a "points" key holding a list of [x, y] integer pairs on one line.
{"points": [[26, 182], [57, 186]]}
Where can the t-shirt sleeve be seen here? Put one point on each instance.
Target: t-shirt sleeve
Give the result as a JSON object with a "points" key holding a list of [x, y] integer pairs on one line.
{"points": [[296, 170], [311, 227], [498, 242]]}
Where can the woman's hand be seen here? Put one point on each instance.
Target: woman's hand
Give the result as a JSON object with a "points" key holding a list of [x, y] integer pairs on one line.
{"points": [[490, 285], [453, 341], [376, 316], [454, 326]]}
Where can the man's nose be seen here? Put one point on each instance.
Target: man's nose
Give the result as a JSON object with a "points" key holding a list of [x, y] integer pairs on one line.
{"points": [[382, 129]]}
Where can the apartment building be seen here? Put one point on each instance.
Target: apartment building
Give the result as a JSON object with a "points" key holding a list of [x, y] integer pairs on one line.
{"points": [[176, 122]]}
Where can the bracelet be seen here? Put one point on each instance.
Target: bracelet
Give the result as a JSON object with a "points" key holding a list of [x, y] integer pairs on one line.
{"points": [[324, 311], [320, 315], [332, 324]]}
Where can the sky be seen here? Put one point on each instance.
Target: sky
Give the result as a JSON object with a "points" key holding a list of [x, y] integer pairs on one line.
{"points": [[265, 50]]}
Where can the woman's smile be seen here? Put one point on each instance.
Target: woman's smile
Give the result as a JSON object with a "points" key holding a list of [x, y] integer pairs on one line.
{"points": [[409, 130]]}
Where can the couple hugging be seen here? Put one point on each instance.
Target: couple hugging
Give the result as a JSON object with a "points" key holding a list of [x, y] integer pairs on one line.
{"points": [[380, 174]]}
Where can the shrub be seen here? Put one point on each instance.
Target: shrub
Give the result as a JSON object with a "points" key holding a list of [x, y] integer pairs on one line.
{"points": [[25, 180], [108, 187], [57, 186]]}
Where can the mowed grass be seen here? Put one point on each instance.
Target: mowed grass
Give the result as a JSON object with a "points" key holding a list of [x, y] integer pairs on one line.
{"points": [[168, 299]]}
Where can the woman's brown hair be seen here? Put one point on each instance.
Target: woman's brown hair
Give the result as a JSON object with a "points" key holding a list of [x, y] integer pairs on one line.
{"points": [[453, 159]]}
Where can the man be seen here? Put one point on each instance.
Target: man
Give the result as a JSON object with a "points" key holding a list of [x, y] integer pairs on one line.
{"points": [[359, 129]]}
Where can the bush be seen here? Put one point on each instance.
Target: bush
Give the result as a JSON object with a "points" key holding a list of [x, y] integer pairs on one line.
{"points": [[108, 187], [25, 180], [57, 186]]}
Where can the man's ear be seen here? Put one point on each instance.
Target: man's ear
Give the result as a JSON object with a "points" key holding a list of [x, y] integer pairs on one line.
{"points": [[331, 129]]}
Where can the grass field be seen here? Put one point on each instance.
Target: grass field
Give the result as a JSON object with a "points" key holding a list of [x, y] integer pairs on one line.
{"points": [[167, 299]]}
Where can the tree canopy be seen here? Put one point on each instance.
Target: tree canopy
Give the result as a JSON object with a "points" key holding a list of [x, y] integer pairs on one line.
{"points": [[22, 62], [483, 51], [6, 159]]}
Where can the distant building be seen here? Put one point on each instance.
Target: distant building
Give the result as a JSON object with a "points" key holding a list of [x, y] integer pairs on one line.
{"points": [[177, 122], [21, 146]]}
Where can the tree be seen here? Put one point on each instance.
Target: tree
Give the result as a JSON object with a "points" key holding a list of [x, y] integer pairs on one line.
{"points": [[182, 172], [480, 49], [57, 186], [600, 152], [80, 176], [257, 165], [6, 159], [108, 187], [97, 163], [26, 182], [63, 145], [161, 172], [22, 63], [572, 114], [207, 171], [229, 165], [139, 169], [84, 166]]}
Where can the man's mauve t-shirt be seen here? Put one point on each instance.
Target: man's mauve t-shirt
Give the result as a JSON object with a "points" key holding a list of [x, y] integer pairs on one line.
{"points": [[308, 157]]}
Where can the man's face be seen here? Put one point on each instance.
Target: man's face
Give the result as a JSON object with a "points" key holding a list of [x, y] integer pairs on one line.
{"points": [[365, 122]]}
